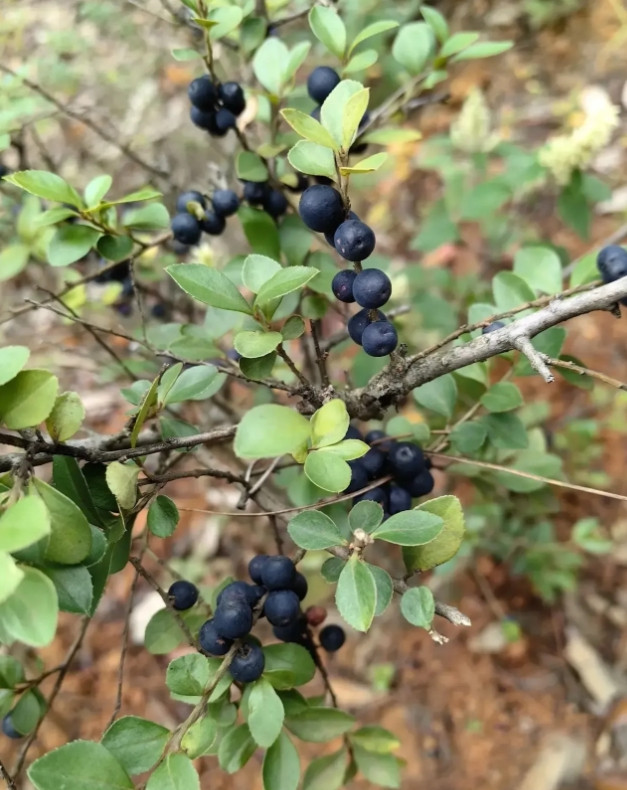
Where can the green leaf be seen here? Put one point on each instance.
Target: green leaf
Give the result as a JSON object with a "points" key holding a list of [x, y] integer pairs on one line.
{"points": [[349, 449], [269, 65], [334, 108], [185, 53], [30, 614], [201, 737], [74, 588], [12, 360], [326, 773], [151, 217], [257, 270], [327, 471], [225, 20], [319, 724], [385, 588], [410, 528], [177, 771], [438, 23], [354, 111], [265, 713], [375, 739], [385, 136], [356, 594], [28, 398], [580, 380], [188, 675], [503, 396], [314, 530], [236, 749], [66, 417], [146, 410], [446, 545], [328, 27], [297, 57], [284, 282], [506, 431], [23, 523], [70, 536], [257, 369], [163, 633], [70, 243], [584, 270], [10, 576], [163, 516], [79, 765], [281, 765], [308, 127], [374, 29], [137, 744], [366, 515], [122, 482], [380, 769], [13, 260], [295, 239], [413, 46], [367, 165], [361, 61], [45, 185], [208, 286], [484, 49], [418, 606], [253, 345], [146, 193], [293, 328], [260, 230], [313, 159], [11, 672], [331, 569], [540, 268], [329, 423], [288, 666], [269, 431], [458, 42], [26, 713], [97, 189], [115, 248], [196, 383], [510, 291], [69, 480], [468, 437], [250, 167], [439, 395]]}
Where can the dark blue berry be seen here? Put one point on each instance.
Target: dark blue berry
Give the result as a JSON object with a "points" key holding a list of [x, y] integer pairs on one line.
{"points": [[379, 339], [421, 485], [204, 119], [232, 97], [281, 607], [380, 440], [8, 729], [300, 585], [315, 114], [255, 567], [188, 197], [358, 322], [400, 499], [406, 460], [372, 288], [301, 184], [612, 263], [233, 619], [241, 591], [225, 120], [278, 573], [378, 494], [275, 203], [159, 310], [342, 285], [332, 637], [202, 93], [255, 192], [353, 433], [355, 241], [294, 632], [212, 223], [211, 641], [225, 202], [359, 478], [492, 327], [185, 229], [234, 355], [373, 462], [321, 208], [321, 82], [248, 663], [183, 594]]}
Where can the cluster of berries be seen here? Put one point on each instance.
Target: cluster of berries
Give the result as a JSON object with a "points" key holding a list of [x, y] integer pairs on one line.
{"points": [[320, 84], [260, 193], [215, 107], [404, 461], [612, 264], [193, 216]]}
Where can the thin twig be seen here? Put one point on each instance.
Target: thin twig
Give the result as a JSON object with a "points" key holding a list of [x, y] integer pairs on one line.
{"points": [[595, 374], [321, 357], [8, 779], [523, 344]]}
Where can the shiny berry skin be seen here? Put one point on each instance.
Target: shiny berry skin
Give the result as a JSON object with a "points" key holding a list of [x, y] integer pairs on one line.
{"points": [[202, 93], [358, 323], [372, 288], [225, 202], [300, 585], [321, 208], [212, 223], [493, 327], [342, 285], [294, 632], [225, 120], [380, 440], [232, 97], [330, 237], [332, 637], [183, 594], [188, 197], [353, 433], [255, 192], [278, 573], [211, 641], [421, 485], [248, 663], [406, 460], [379, 339], [240, 591], [378, 494], [354, 240], [612, 263], [203, 119], [400, 499], [275, 203], [359, 477], [321, 82], [185, 229], [233, 619], [255, 567], [373, 462], [8, 729], [282, 607]]}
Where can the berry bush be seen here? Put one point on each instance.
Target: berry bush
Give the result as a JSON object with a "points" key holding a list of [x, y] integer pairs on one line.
{"points": [[307, 314]]}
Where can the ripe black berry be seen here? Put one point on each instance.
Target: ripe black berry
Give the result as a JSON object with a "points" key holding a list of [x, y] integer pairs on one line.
{"points": [[492, 327], [248, 663], [185, 229], [294, 632], [255, 567], [278, 573], [204, 119], [212, 223], [232, 97], [211, 641], [188, 197], [406, 460], [225, 120], [300, 585], [240, 591], [612, 263], [202, 93], [421, 485], [321, 208], [359, 477], [8, 729], [321, 82], [225, 202], [354, 240], [281, 607], [353, 433], [275, 203], [378, 494], [372, 288], [183, 594], [373, 462], [233, 619], [400, 499], [315, 114], [378, 437], [342, 285], [379, 339], [255, 192], [332, 637], [358, 322]]}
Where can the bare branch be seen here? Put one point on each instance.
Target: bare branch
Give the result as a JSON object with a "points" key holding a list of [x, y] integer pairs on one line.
{"points": [[595, 374], [523, 344]]}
